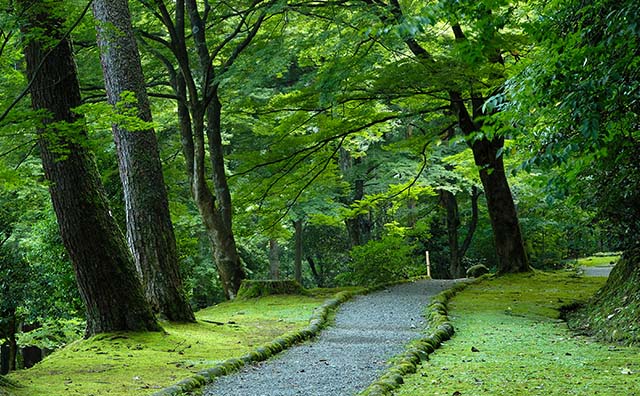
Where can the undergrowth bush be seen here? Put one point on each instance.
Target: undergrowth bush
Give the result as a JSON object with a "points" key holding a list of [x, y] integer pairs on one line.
{"points": [[378, 261]]}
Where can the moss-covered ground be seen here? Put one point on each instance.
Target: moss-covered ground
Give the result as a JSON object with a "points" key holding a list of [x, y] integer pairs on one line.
{"points": [[596, 261], [141, 363], [509, 341]]}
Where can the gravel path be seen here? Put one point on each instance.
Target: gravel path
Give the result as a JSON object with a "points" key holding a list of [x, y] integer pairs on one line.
{"points": [[348, 356], [603, 270]]}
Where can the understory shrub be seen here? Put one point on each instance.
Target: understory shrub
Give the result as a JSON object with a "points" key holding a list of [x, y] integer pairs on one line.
{"points": [[388, 259]]}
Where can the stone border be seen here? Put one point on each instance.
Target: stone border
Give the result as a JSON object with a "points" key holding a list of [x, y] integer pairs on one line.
{"points": [[419, 350], [316, 323]]}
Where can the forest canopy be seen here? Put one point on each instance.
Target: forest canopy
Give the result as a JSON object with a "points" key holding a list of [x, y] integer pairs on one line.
{"points": [[195, 144]]}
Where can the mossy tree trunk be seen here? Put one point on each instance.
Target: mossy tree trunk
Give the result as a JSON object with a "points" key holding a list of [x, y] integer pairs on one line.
{"points": [[149, 229], [104, 267], [613, 314]]}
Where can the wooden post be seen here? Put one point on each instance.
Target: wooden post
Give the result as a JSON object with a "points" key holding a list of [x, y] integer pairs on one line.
{"points": [[426, 253]]}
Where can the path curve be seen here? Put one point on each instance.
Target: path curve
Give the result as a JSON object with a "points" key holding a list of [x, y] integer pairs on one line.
{"points": [[346, 357]]}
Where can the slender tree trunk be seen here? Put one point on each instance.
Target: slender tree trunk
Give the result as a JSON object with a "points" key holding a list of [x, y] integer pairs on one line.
{"points": [[358, 227], [103, 264], [274, 259], [149, 229], [219, 232], [297, 262], [226, 252], [473, 223], [317, 275], [10, 348], [457, 251], [450, 203]]}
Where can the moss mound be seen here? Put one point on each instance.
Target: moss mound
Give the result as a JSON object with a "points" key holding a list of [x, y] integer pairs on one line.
{"points": [[477, 271], [613, 314], [261, 288]]}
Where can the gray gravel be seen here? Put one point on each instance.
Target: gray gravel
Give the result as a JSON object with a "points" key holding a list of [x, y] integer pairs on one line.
{"points": [[346, 357], [603, 270]]}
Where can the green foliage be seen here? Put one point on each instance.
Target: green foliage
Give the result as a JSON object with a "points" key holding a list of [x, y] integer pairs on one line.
{"points": [[577, 99], [53, 334], [381, 261]]}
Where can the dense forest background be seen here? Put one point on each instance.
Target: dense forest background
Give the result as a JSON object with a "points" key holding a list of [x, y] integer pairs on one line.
{"points": [[331, 142]]}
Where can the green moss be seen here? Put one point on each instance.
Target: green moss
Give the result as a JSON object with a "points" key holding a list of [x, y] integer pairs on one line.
{"points": [[596, 261], [520, 347], [143, 363], [614, 313], [477, 271], [260, 288]]}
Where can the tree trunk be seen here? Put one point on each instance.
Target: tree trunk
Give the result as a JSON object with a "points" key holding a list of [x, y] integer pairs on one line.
{"points": [[317, 276], [358, 227], [274, 259], [510, 249], [297, 262], [507, 236], [450, 203], [149, 229], [103, 264], [10, 346]]}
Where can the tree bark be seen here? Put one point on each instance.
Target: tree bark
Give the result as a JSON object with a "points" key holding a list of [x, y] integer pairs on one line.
{"points": [[274, 259], [104, 267], [297, 262], [507, 236], [450, 203], [317, 275], [457, 251], [199, 113], [487, 154], [358, 227], [149, 229]]}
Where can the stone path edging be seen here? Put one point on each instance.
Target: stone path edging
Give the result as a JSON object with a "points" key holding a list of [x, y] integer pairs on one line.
{"points": [[440, 330], [317, 321]]}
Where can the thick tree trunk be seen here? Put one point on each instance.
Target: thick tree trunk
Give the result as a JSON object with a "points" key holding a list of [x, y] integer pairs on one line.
{"points": [[502, 212], [297, 262], [104, 267], [507, 236], [149, 229], [274, 259]]}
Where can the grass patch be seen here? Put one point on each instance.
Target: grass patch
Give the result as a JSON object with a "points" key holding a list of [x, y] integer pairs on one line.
{"points": [[509, 341], [596, 261], [142, 363]]}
